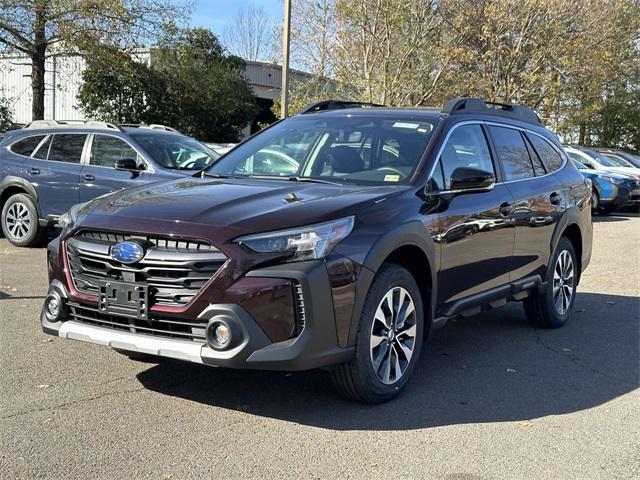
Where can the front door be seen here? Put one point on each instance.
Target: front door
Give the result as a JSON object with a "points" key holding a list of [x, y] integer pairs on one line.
{"points": [[99, 176], [473, 230]]}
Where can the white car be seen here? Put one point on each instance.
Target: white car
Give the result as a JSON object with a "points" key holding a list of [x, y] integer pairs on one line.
{"points": [[221, 148], [596, 161]]}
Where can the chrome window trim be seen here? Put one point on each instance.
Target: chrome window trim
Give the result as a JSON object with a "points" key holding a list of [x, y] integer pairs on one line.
{"points": [[562, 154]]}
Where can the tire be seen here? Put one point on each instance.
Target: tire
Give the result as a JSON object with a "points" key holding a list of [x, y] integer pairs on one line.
{"points": [[551, 309], [606, 209], [137, 356], [396, 354], [595, 201], [20, 221]]}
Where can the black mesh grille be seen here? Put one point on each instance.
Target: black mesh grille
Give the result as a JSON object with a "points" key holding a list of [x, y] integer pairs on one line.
{"points": [[174, 269], [156, 325]]}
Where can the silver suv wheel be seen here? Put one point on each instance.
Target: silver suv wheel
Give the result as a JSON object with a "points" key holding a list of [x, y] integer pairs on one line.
{"points": [[563, 282], [393, 335], [18, 220]]}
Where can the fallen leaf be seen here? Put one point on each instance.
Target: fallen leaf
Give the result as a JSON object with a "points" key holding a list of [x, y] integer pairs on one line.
{"points": [[526, 423]]}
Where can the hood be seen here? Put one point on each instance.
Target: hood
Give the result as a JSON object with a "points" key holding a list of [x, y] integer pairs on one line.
{"points": [[245, 204]]}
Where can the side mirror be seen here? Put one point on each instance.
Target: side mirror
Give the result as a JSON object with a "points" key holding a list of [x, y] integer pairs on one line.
{"points": [[465, 178], [128, 164]]}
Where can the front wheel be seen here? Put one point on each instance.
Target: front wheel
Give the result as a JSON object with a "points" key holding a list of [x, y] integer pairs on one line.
{"points": [[20, 221], [553, 308], [389, 339]]}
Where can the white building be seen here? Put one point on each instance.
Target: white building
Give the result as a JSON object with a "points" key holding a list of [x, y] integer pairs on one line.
{"points": [[64, 76]]}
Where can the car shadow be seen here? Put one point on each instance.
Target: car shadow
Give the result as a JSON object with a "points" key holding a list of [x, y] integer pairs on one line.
{"points": [[492, 367]]}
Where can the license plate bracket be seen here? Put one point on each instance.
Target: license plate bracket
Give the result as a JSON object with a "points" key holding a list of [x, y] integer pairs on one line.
{"points": [[126, 299]]}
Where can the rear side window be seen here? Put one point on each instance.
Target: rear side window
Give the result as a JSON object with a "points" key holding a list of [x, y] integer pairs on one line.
{"points": [[26, 146], [67, 147], [465, 147], [549, 155], [43, 152], [512, 152]]}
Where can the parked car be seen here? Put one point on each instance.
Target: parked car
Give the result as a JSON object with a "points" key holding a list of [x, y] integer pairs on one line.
{"points": [[395, 221], [595, 161], [610, 190], [620, 157], [221, 148], [48, 167]]}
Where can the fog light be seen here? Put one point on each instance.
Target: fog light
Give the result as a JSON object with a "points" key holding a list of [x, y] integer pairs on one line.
{"points": [[53, 307], [222, 335]]}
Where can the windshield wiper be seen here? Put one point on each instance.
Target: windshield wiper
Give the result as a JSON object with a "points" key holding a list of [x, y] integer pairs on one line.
{"points": [[213, 175], [313, 180]]}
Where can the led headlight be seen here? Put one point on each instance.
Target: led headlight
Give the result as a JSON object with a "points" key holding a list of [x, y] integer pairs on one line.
{"points": [[66, 220], [305, 243], [614, 180]]}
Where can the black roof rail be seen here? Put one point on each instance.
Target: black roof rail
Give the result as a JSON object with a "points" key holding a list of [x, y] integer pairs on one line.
{"points": [[460, 105], [336, 105]]}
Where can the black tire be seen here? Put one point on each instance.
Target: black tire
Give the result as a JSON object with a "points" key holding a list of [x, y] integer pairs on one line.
{"points": [[358, 379], [542, 310], [28, 233], [606, 209], [595, 201], [137, 356]]}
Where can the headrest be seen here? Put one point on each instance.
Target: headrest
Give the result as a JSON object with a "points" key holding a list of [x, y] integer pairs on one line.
{"points": [[346, 159]]}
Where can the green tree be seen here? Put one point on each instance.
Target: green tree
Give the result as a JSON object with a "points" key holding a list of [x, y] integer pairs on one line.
{"points": [[33, 27], [6, 116], [189, 84]]}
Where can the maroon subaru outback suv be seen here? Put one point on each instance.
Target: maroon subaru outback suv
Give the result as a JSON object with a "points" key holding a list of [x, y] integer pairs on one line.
{"points": [[338, 238]]}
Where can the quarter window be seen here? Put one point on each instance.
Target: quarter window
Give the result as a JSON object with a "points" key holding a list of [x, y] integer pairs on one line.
{"points": [[106, 150], [465, 147], [26, 146], [43, 152], [512, 152], [67, 147], [549, 155]]}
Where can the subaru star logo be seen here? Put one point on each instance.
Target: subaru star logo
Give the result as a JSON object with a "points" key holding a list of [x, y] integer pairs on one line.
{"points": [[127, 252]]}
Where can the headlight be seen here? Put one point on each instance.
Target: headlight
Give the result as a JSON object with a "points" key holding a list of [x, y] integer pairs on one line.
{"points": [[306, 243], [67, 220], [614, 180]]}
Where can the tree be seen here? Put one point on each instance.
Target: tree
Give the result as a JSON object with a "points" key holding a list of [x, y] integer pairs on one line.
{"points": [[249, 34], [33, 27], [6, 117], [189, 84]]}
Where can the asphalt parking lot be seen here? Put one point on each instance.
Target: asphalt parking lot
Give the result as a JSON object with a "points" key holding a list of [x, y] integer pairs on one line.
{"points": [[494, 398]]}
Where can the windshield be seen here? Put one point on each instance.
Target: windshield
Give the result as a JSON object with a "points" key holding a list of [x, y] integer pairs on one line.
{"points": [[359, 149], [176, 152], [601, 159], [619, 161]]}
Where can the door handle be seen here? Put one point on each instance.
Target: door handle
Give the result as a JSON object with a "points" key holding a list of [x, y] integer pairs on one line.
{"points": [[505, 209], [88, 178], [555, 198], [34, 171]]}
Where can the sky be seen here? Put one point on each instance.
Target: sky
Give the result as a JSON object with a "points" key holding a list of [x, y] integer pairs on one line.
{"points": [[215, 14]]}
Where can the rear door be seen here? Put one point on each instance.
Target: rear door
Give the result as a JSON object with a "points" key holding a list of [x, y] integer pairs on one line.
{"points": [[54, 170], [99, 176], [538, 200], [474, 232]]}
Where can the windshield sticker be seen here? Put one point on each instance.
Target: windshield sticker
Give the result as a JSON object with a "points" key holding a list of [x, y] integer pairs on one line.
{"points": [[392, 178], [412, 126]]}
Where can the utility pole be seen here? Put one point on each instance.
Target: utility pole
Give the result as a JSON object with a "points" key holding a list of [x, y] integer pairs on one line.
{"points": [[286, 40]]}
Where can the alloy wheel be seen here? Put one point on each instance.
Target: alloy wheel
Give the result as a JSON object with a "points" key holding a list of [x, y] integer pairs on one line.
{"points": [[18, 220], [563, 282], [393, 335]]}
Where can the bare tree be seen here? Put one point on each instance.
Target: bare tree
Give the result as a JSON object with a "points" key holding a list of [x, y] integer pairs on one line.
{"points": [[249, 35], [32, 27]]}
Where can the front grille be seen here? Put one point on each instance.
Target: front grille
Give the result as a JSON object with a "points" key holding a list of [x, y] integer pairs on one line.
{"points": [[174, 269], [156, 325]]}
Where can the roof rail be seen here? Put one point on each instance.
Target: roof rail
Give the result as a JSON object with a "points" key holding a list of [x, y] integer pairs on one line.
{"points": [[62, 124], [153, 126], [336, 105], [460, 105]]}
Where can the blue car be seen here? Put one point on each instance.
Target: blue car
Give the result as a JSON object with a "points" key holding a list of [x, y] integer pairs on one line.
{"points": [[48, 166], [610, 190]]}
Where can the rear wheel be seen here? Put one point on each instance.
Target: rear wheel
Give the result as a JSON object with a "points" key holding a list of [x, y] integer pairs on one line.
{"points": [[553, 308], [389, 339], [595, 201], [20, 221]]}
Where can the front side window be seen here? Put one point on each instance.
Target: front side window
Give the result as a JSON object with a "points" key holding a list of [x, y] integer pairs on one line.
{"points": [[512, 153], [106, 150], [549, 155], [66, 147], [358, 148], [176, 152], [26, 146], [465, 147]]}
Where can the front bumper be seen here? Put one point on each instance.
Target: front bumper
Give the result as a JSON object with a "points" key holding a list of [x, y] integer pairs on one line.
{"points": [[316, 346], [620, 195]]}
